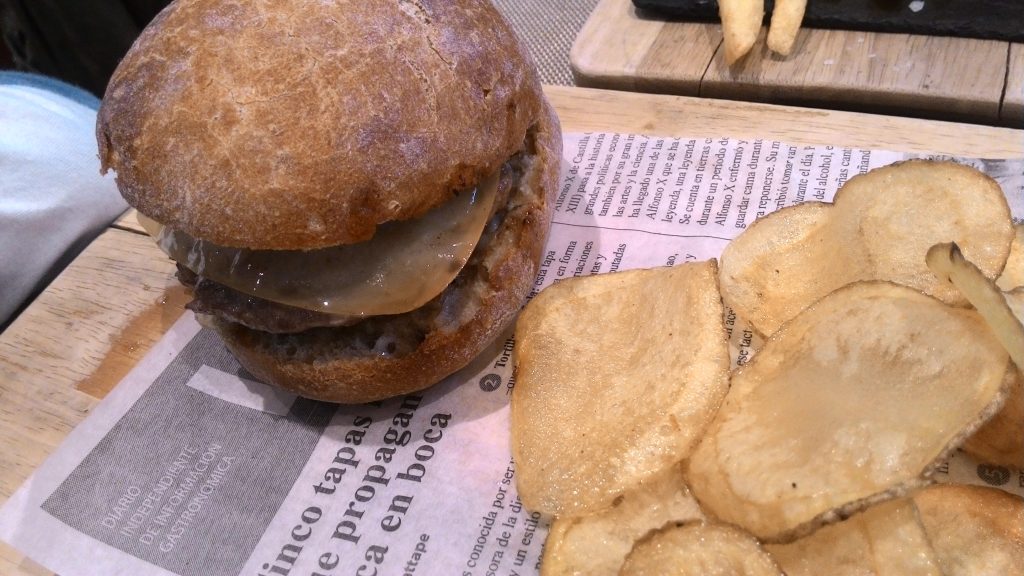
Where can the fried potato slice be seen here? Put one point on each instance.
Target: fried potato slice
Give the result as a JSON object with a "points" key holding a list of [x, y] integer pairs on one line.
{"points": [[884, 540], [973, 529], [949, 264], [699, 549], [944, 529], [1015, 300], [786, 18], [1001, 440], [618, 375], [1013, 273], [597, 544], [845, 405], [879, 227], [901, 210], [770, 271], [741, 24]]}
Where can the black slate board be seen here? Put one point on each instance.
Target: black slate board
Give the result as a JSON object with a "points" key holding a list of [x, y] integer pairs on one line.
{"points": [[985, 19]]}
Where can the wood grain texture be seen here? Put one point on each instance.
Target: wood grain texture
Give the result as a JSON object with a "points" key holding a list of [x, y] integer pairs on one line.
{"points": [[1012, 113], [584, 109], [116, 300], [129, 221], [72, 345], [613, 62], [678, 58], [645, 54], [949, 78], [12, 562], [87, 329]]}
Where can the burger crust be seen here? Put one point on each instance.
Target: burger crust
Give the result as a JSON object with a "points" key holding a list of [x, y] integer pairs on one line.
{"points": [[482, 303], [293, 125]]}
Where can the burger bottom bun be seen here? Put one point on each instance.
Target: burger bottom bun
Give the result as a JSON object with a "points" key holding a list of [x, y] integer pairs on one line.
{"points": [[386, 356]]}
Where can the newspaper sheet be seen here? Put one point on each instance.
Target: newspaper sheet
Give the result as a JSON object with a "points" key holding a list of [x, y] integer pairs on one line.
{"points": [[191, 467]]}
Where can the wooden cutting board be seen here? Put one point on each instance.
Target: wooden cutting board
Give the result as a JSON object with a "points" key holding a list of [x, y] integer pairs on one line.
{"points": [[115, 301], [986, 19], [923, 76]]}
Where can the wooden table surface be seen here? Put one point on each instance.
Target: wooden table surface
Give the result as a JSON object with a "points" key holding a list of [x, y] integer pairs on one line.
{"points": [[116, 300], [922, 76]]}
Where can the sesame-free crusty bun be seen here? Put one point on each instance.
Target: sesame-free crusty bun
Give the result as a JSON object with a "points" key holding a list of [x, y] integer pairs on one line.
{"points": [[357, 193], [301, 124], [390, 355]]}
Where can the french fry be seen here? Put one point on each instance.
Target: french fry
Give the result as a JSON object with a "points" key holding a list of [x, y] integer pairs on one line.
{"points": [[786, 18], [948, 263], [741, 23]]}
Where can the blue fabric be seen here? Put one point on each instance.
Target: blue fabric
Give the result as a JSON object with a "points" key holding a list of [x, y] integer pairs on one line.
{"points": [[73, 93], [53, 200]]}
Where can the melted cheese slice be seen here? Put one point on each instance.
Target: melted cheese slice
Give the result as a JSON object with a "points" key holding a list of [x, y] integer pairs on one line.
{"points": [[401, 268]]}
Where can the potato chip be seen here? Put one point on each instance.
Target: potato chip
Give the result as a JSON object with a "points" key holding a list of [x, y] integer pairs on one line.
{"points": [[939, 530], [1013, 272], [780, 265], [949, 264], [1015, 300], [597, 544], [741, 24], [879, 228], [699, 549], [617, 376], [786, 18], [1000, 441], [974, 530], [884, 540], [846, 404], [899, 211]]}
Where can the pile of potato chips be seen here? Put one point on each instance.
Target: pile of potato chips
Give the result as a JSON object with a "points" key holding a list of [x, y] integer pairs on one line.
{"points": [[888, 343]]}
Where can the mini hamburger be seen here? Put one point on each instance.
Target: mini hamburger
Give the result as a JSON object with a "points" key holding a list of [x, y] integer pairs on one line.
{"points": [[356, 192]]}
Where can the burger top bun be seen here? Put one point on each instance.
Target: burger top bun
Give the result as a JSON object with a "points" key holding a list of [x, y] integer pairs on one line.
{"points": [[303, 124]]}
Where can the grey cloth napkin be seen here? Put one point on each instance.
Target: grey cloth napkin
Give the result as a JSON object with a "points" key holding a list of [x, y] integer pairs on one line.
{"points": [[548, 29], [53, 201]]}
